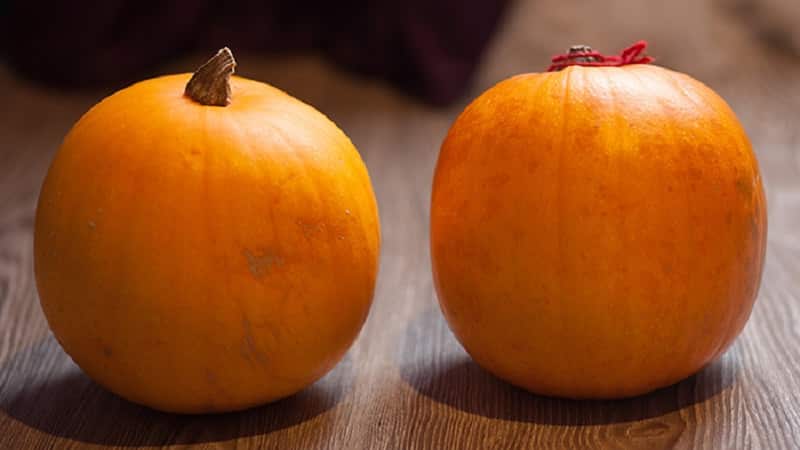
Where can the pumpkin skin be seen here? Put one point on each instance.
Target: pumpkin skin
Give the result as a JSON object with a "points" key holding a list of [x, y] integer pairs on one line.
{"points": [[597, 232], [201, 258]]}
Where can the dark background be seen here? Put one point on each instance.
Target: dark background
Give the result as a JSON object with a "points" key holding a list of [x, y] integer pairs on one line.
{"points": [[429, 48]]}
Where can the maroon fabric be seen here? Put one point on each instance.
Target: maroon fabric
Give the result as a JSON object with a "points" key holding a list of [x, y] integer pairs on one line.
{"points": [[429, 48]]}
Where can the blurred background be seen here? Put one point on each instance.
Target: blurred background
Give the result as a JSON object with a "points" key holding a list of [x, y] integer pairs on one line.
{"points": [[429, 49]]}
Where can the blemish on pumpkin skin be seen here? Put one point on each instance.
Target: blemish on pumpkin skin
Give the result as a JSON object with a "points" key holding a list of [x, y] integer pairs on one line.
{"points": [[259, 264], [107, 352], [744, 187], [498, 180], [213, 380], [211, 377], [310, 229], [92, 225], [249, 349]]}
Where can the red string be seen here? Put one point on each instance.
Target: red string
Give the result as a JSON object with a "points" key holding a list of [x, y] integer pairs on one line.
{"points": [[631, 55]]}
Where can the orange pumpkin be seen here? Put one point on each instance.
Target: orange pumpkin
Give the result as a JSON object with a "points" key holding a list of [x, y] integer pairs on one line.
{"points": [[597, 232], [209, 251]]}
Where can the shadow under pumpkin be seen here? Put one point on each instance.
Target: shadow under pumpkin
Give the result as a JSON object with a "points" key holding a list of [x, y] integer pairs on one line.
{"points": [[443, 372], [44, 389]]}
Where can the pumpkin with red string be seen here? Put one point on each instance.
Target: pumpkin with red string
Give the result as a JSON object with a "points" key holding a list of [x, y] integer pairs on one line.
{"points": [[598, 230]]}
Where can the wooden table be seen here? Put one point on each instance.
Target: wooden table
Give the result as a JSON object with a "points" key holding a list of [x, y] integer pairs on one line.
{"points": [[406, 383]]}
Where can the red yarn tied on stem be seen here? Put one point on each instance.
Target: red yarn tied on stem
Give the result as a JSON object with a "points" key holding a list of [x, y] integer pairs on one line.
{"points": [[583, 55]]}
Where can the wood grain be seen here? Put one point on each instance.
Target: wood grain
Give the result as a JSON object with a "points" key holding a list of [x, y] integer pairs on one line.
{"points": [[406, 383]]}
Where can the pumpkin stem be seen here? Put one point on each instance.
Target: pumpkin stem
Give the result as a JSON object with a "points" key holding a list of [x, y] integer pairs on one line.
{"points": [[211, 83], [583, 55]]}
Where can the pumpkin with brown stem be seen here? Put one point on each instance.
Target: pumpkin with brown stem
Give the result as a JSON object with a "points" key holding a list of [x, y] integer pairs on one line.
{"points": [[597, 231], [209, 250]]}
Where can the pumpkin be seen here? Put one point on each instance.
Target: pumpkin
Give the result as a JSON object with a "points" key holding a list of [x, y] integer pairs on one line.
{"points": [[206, 247], [597, 231]]}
